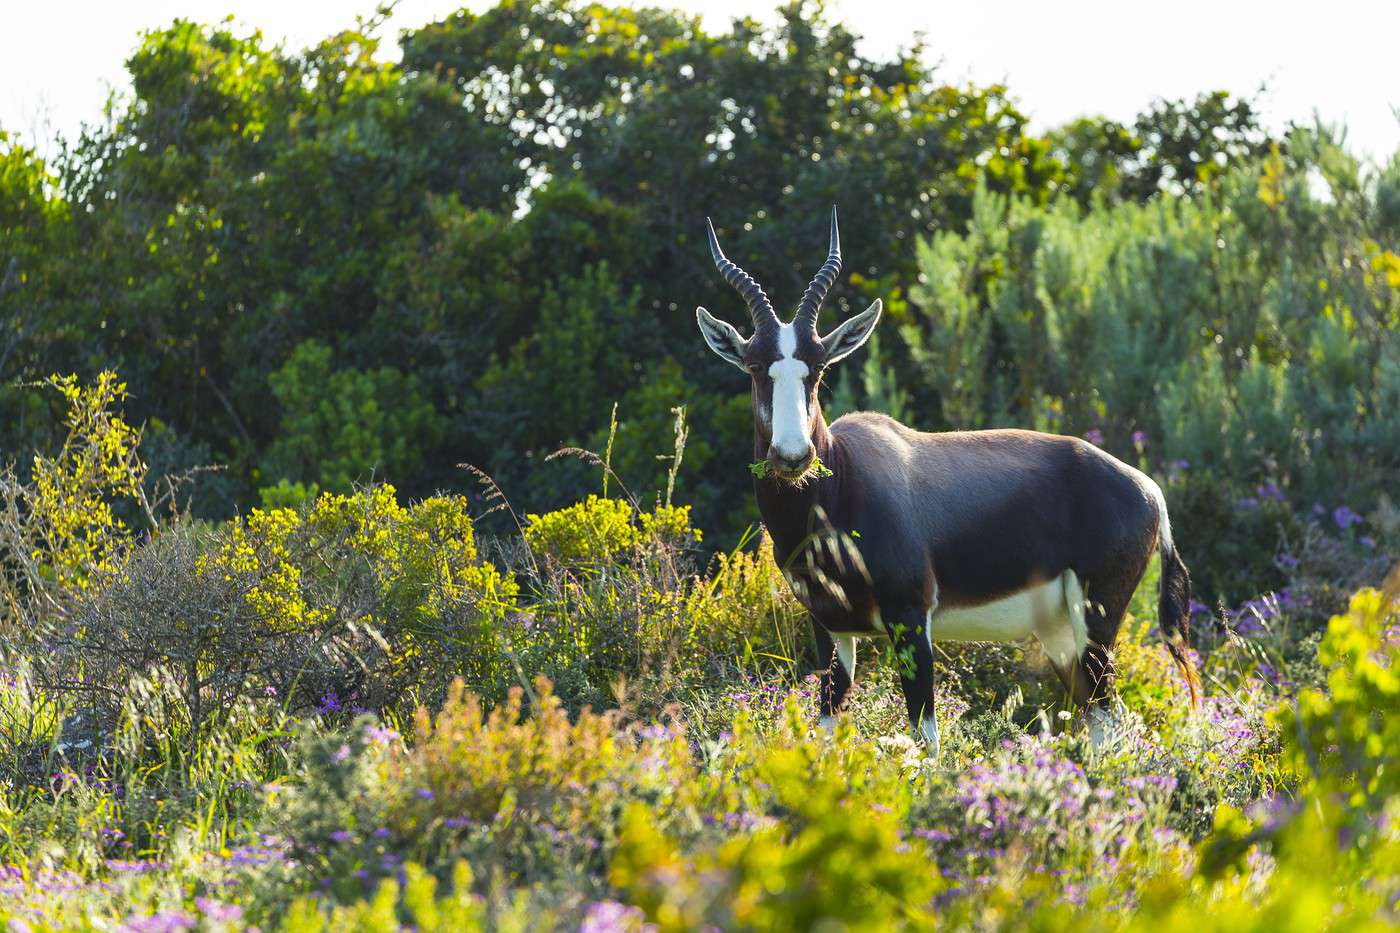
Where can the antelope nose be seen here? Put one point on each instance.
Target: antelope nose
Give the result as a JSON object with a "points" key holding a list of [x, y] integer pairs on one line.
{"points": [[789, 462]]}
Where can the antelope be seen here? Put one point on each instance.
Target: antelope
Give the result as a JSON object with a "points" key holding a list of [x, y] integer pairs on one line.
{"points": [[992, 535]]}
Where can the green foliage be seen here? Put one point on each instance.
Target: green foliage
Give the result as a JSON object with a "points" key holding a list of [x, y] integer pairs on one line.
{"points": [[320, 268], [342, 426], [59, 528], [830, 849], [416, 901], [349, 602], [1227, 330], [1342, 736], [312, 264]]}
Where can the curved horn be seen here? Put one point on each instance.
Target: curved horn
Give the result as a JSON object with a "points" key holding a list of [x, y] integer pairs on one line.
{"points": [[822, 281], [760, 308]]}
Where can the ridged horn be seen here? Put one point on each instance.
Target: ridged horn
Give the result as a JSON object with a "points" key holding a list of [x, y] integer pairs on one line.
{"points": [[760, 308], [821, 282]]}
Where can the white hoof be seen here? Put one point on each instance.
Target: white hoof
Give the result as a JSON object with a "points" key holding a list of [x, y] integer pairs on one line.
{"points": [[928, 729], [1106, 728]]}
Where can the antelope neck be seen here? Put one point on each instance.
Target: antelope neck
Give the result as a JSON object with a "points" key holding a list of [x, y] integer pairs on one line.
{"points": [[786, 507]]}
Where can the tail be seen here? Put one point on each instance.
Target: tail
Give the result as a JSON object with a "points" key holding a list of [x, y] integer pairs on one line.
{"points": [[1174, 604]]}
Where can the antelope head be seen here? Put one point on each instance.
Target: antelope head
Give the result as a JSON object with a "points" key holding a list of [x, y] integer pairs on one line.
{"points": [[785, 361]]}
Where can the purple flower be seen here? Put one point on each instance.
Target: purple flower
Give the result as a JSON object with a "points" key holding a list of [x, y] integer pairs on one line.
{"points": [[1367, 541], [381, 734], [1247, 504], [614, 917], [1094, 436], [1139, 439], [425, 794], [330, 703], [167, 921], [342, 753], [134, 867], [218, 911], [1288, 562], [342, 836], [269, 691], [1345, 517], [1271, 491]]}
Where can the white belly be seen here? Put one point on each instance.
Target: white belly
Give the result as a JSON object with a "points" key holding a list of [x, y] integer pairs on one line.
{"points": [[1053, 612], [1040, 610]]}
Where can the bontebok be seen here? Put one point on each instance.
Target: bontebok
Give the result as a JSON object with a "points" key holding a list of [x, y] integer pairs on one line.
{"points": [[884, 531]]}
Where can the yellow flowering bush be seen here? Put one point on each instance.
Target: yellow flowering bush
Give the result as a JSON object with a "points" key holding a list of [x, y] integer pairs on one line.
{"points": [[60, 530], [355, 601], [1346, 736], [598, 530]]}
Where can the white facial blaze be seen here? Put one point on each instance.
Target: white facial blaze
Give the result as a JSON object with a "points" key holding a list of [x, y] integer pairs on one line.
{"points": [[790, 438]]}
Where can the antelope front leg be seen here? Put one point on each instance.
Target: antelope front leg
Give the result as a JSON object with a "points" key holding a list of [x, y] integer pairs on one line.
{"points": [[834, 672], [914, 655]]}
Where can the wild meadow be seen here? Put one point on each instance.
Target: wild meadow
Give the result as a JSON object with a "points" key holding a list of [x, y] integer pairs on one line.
{"points": [[377, 547]]}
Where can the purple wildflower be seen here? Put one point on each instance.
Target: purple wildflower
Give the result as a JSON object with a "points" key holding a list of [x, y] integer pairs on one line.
{"points": [[330, 703], [342, 836], [614, 917], [1140, 439], [1247, 504], [218, 911], [1272, 492], [1094, 436], [167, 921], [425, 794], [381, 734], [1345, 517], [1367, 541]]}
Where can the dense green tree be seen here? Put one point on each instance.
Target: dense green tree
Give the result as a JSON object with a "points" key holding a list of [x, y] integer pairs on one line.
{"points": [[342, 426], [315, 264]]}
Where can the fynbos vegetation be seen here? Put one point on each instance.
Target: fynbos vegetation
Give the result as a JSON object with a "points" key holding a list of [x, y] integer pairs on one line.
{"points": [[269, 659]]}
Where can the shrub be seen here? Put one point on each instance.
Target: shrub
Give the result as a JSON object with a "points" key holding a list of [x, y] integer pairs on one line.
{"points": [[60, 528], [352, 602], [1250, 335], [531, 794], [614, 609]]}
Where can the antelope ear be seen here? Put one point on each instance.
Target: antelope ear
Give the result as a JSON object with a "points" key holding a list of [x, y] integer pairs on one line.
{"points": [[848, 337], [722, 338]]}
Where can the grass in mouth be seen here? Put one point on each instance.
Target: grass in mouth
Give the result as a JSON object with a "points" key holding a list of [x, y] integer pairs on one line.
{"points": [[762, 469]]}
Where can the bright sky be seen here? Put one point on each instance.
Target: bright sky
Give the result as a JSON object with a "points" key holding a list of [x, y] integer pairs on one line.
{"points": [[59, 59]]}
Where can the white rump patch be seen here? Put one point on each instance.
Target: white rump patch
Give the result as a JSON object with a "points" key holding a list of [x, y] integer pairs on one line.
{"points": [[1164, 525], [789, 420], [1053, 612]]}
